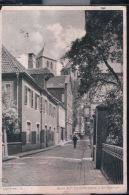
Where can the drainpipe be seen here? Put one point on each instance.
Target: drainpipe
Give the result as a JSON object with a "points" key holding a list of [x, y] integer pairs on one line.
{"points": [[58, 133]]}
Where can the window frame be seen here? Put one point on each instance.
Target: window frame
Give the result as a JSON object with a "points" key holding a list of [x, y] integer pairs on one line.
{"points": [[25, 95], [32, 99], [37, 102], [11, 83]]}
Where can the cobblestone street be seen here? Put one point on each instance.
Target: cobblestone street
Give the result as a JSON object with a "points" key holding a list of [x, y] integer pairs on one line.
{"points": [[63, 165]]}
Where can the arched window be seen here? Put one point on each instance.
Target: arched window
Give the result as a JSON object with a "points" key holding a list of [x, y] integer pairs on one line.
{"points": [[28, 132], [38, 131]]}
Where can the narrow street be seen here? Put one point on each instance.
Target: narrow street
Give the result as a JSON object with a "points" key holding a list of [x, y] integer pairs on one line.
{"points": [[63, 165]]}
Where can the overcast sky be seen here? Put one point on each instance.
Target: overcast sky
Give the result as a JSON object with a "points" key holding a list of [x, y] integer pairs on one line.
{"points": [[27, 31]]}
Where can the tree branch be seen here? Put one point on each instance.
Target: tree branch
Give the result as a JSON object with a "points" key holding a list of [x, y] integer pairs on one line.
{"points": [[108, 82], [111, 70]]}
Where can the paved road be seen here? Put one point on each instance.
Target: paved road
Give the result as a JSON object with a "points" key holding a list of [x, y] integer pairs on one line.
{"points": [[63, 165]]}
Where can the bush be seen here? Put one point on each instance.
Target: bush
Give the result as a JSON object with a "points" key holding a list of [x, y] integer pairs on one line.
{"points": [[114, 102]]}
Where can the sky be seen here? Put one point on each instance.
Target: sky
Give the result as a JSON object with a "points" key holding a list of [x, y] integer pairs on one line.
{"points": [[28, 31]]}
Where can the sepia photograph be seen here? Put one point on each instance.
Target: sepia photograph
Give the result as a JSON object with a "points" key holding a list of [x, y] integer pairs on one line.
{"points": [[63, 97]]}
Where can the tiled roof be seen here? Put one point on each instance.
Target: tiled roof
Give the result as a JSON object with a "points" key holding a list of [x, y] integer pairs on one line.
{"points": [[39, 71], [10, 63], [57, 82]]}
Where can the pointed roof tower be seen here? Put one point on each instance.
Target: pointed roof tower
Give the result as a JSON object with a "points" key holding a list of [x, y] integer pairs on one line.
{"points": [[40, 54]]}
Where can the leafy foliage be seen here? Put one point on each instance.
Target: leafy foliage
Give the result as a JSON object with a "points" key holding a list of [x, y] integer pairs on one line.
{"points": [[115, 118], [10, 120], [102, 45]]}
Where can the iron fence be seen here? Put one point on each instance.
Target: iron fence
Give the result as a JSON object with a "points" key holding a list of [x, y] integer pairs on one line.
{"points": [[112, 163]]}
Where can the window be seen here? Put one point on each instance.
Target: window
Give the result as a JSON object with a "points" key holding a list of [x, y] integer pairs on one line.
{"points": [[37, 102], [51, 65], [46, 106], [38, 132], [29, 96], [32, 99], [25, 95], [48, 64], [28, 133], [43, 105], [8, 89]]}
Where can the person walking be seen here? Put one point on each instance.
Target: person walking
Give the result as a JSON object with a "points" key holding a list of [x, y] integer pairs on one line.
{"points": [[75, 141]]}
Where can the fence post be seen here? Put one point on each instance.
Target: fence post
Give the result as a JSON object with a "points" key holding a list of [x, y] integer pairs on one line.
{"points": [[101, 129]]}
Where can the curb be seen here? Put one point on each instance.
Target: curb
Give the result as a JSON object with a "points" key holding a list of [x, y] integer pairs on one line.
{"points": [[9, 158], [36, 152], [28, 153]]}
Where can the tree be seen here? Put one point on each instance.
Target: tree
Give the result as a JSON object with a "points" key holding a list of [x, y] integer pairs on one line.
{"points": [[94, 55], [10, 120], [102, 45]]}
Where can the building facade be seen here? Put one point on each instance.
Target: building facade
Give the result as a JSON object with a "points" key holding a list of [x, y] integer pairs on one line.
{"points": [[38, 111], [61, 88]]}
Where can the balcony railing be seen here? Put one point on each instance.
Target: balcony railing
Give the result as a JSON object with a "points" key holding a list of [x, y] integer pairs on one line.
{"points": [[112, 163]]}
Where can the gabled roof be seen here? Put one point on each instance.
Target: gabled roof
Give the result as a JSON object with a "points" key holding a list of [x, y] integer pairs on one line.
{"points": [[10, 64], [57, 82], [39, 71]]}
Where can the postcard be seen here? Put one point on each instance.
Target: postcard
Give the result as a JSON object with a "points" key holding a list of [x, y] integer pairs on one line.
{"points": [[63, 99]]}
